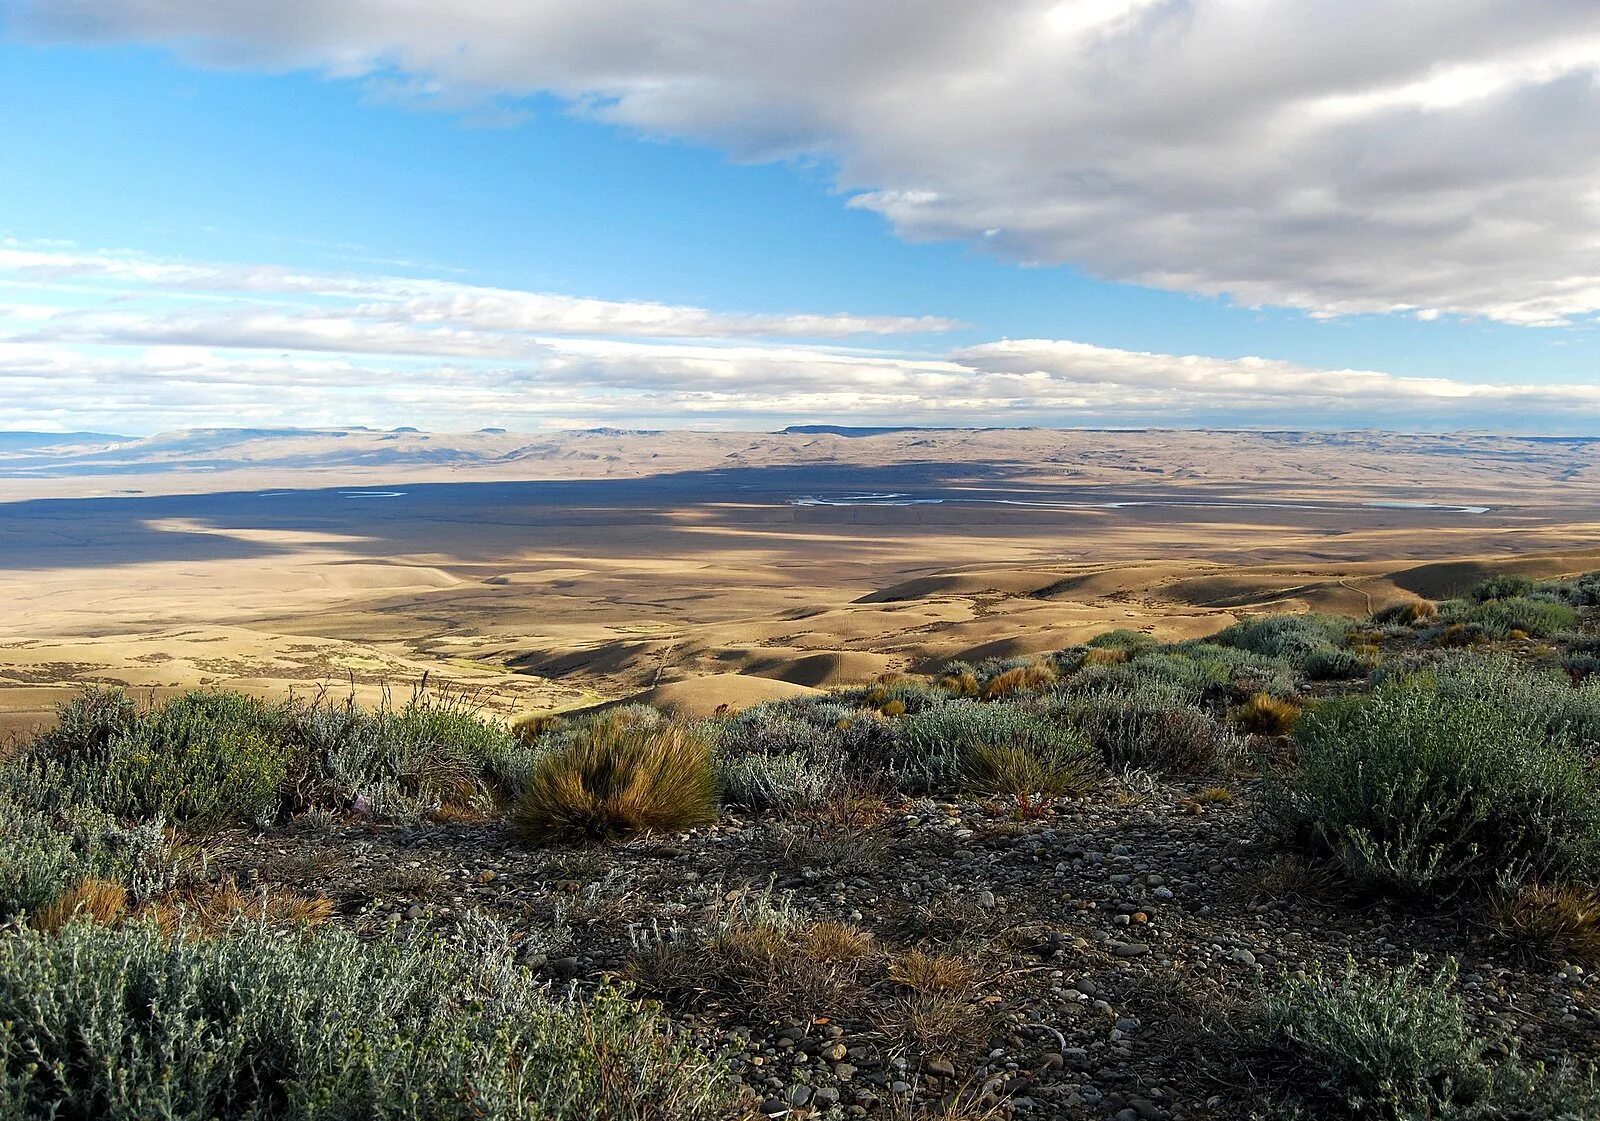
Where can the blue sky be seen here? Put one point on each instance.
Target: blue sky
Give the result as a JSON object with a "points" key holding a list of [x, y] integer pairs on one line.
{"points": [[213, 151]]}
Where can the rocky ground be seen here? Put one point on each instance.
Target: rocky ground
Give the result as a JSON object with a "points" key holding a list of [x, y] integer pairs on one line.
{"points": [[1108, 950]]}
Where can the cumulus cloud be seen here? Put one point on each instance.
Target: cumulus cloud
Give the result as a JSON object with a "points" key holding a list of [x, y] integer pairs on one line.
{"points": [[1431, 156]]}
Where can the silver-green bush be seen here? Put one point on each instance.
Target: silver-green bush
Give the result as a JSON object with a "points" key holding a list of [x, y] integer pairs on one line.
{"points": [[321, 1025]]}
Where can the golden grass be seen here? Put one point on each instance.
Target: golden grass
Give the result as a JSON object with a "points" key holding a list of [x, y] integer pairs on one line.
{"points": [[963, 684], [216, 907], [1105, 656], [92, 901], [1267, 715], [619, 780], [1554, 924], [1022, 679]]}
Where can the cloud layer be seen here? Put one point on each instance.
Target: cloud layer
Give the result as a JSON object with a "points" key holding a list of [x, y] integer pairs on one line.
{"points": [[121, 342], [1430, 156]]}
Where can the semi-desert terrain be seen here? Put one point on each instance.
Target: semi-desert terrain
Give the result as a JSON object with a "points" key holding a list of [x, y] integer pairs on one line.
{"points": [[553, 570]]}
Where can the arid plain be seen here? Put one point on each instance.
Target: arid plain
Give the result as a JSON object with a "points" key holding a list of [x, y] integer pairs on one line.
{"points": [[555, 570]]}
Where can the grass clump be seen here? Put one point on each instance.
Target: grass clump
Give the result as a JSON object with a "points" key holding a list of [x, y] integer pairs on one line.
{"points": [[320, 1025], [1428, 790], [1266, 715], [619, 779], [1552, 924]]}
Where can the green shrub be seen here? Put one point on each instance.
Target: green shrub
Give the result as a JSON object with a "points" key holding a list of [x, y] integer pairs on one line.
{"points": [[43, 855], [1150, 727], [1294, 637], [787, 782], [202, 760], [1430, 789], [617, 780], [321, 1025], [1121, 639], [1334, 665], [966, 743], [1379, 1043], [401, 763], [1505, 585], [1535, 618]]}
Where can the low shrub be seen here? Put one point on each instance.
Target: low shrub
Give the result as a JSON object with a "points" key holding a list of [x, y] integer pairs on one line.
{"points": [[1294, 637], [321, 1025], [617, 780], [1379, 1043], [1149, 728], [987, 746], [1429, 789], [202, 760], [402, 762], [43, 855], [1504, 585], [1335, 665], [1121, 639], [1509, 617], [785, 783]]}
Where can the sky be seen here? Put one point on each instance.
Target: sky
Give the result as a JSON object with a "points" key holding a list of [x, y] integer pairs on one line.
{"points": [[703, 214]]}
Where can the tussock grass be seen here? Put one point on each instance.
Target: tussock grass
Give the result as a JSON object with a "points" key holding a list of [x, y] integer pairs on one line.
{"points": [[1551, 924], [618, 780]]}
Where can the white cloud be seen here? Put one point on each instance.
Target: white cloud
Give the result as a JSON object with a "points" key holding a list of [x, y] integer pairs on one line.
{"points": [[399, 301], [1436, 156]]}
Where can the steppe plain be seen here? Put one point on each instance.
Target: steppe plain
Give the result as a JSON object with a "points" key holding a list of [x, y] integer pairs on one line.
{"points": [[550, 571]]}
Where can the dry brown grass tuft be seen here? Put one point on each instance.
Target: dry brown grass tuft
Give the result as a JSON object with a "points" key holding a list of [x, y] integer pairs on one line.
{"points": [[216, 907], [1290, 877], [933, 973], [92, 901], [1552, 924], [1266, 715], [963, 684], [1022, 679], [1105, 656], [894, 708], [939, 1010], [619, 780]]}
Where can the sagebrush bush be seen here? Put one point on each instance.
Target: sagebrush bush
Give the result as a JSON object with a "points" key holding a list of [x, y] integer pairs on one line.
{"points": [[401, 762], [1294, 637], [202, 760], [1505, 618], [1375, 1042], [1150, 727], [1505, 585], [787, 782], [1335, 665], [971, 744], [321, 1025], [44, 854], [1419, 789], [617, 780]]}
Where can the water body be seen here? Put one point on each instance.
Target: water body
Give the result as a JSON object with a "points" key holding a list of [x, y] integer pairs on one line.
{"points": [[906, 499]]}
